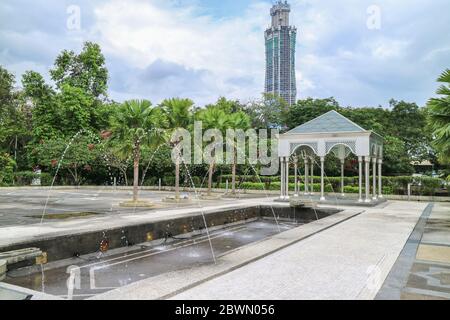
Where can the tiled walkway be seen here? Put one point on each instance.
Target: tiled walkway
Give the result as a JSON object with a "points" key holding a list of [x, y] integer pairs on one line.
{"points": [[429, 277], [422, 270], [348, 261]]}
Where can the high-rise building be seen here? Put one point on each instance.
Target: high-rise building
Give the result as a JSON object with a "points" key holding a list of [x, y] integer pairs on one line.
{"points": [[280, 54]]}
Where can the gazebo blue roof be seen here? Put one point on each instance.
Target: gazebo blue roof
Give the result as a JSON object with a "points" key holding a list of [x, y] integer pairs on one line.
{"points": [[328, 122]]}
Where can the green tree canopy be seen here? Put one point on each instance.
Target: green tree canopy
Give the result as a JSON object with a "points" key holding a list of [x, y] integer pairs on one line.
{"points": [[439, 117], [269, 112], [85, 70], [308, 109], [76, 155], [135, 125]]}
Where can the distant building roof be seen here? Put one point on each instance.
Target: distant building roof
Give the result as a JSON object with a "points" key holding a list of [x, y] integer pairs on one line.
{"points": [[329, 122], [425, 163]]}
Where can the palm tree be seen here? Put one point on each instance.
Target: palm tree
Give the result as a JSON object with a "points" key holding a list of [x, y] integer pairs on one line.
{"points": [[136, 124], [439, 117], [213, 117], [179, 115], [238, 120]]}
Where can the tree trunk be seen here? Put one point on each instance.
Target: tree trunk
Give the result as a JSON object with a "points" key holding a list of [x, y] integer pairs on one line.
{"points": [[177, 178], [136, 172], [124, 173], [76, 177], [15, 150]]}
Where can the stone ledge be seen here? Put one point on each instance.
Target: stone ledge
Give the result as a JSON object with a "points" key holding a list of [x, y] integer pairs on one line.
{"points": [[16, 256]]}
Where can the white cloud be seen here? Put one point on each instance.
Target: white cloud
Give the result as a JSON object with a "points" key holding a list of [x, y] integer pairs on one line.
{"points": [[387, 48], [157, 49], [141, 33]]}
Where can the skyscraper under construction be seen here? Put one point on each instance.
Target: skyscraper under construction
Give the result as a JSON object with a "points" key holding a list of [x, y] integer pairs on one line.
{"points": [[280, 54]]}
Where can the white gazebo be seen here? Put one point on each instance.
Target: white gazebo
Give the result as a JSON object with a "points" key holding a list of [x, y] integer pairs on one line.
{"points": [[331, 133]]}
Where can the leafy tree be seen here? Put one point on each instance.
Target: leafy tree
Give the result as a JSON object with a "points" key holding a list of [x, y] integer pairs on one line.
{"points": [[213, 117], [408, 123], [269, 112], [137, 124], [229, 106], [102, 113], [179, 115], [44, 109], [116, 159], [157, 161], [308, 109], [85, 70], [439, 117], [396, 159], [13, 117], [35, 87], [7, 165], [6, 90], [73, 110], [375, 119], [76, 156], [6, 105], [238, 120]]}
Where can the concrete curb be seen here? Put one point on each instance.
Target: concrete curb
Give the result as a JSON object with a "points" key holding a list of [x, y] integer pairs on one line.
{"points": [[214, 190], [28, 294], [2, 269]]}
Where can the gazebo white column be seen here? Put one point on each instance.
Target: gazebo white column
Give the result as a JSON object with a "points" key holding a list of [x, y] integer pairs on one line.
{"points": [[380, 175], [295, 176], [306, 176], [367, 178], [374, 178], [322, 173], [281, 177], [312, 176], [287, 178], [360, 162], [342, 177]]}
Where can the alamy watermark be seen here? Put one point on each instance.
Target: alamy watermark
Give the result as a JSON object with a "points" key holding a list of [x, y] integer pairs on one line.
{"points": [[374, 17], [73, 21]]}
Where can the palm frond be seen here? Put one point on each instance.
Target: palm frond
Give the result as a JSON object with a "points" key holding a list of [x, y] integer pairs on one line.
{"points": [[445, 76]]}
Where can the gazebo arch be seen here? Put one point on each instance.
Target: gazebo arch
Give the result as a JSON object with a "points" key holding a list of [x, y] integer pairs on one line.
{"points": [[339, 144], [311, 146], [296, 147], [332, 132], [309, 165]]}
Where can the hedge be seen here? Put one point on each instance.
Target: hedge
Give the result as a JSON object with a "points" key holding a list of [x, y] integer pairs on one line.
{"points": [[24, 178], [273, 186], [393, 185]]}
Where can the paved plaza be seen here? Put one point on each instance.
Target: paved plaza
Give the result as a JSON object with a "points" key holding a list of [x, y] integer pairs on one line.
{"points": [[395, 250], [25, 206]]}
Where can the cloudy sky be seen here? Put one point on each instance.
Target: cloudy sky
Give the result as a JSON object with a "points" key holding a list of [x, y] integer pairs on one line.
{"points": [[203, 49]]}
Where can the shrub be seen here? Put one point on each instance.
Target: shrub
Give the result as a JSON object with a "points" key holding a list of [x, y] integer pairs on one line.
{"points": [[391, 185], [25, 178], [351, 189], [168, 181], [7, 165], [195, 180], [151, 181]]}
